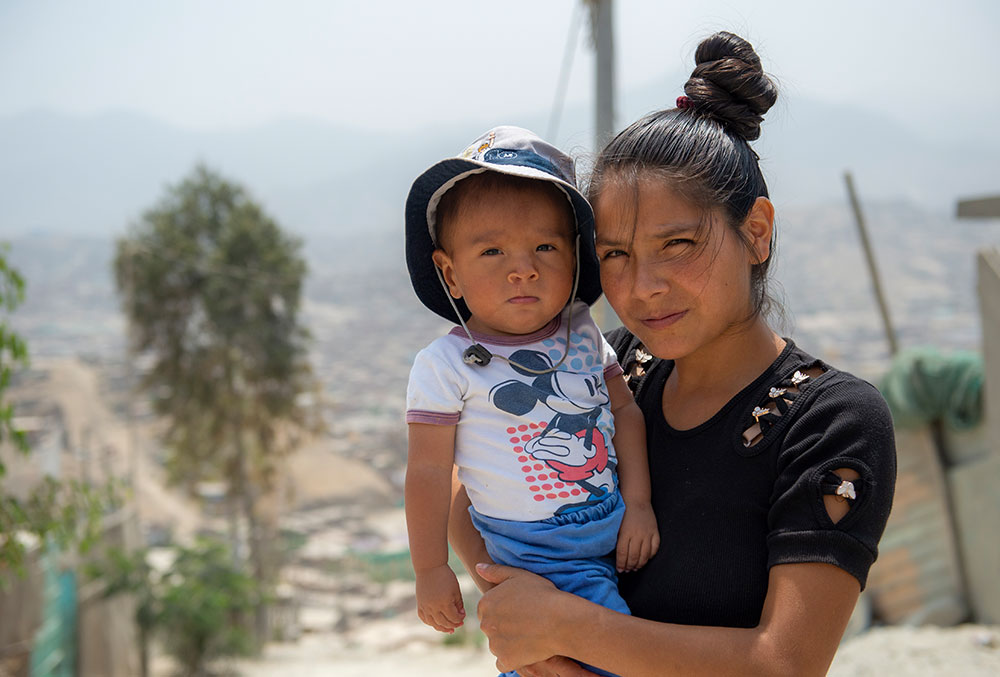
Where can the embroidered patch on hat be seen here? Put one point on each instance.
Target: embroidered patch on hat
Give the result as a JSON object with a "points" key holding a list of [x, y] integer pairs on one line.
{"points": [[521, 158], [475, 151]]}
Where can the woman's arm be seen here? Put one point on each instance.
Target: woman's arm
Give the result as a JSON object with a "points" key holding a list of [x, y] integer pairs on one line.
{"points": [[804, 616], [464, 538]]}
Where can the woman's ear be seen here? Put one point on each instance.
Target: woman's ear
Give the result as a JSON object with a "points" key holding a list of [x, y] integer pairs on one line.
{"points": [[758, 226], [443, 261]]}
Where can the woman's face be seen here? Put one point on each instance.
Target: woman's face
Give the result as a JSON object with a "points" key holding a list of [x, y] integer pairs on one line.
{"points": [[678, 276]]}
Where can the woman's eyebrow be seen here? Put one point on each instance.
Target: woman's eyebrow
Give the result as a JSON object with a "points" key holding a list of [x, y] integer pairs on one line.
{"points": [[659, 232], [664, 230], [607, 241]]}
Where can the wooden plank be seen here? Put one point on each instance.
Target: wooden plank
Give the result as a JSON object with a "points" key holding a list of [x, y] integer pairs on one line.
{"points": [[917, 578], [979, 208]]}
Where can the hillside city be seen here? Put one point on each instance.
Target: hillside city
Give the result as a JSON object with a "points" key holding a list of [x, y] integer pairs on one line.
{"points": [[344, 491]]}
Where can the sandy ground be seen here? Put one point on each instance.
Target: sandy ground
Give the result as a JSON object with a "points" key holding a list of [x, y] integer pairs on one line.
{"points": [[325, 656], [963, 651], [318, 475], [104, 444]]}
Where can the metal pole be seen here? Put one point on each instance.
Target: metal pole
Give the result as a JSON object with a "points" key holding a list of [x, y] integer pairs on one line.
{"points": [[883, 306]]}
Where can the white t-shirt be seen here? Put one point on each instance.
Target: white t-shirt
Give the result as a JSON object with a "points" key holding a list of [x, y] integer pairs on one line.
{"points": [[527, 446]]}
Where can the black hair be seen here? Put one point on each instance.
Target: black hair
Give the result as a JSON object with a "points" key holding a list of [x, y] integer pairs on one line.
{"points": [[702, 150], [488, 182]]}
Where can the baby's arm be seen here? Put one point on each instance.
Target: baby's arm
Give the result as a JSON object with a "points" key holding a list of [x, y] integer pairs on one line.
{"points": [[428, 498], [638, 538]]}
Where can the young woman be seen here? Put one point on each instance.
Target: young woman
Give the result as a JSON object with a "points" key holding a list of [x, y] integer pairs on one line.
{"points": [[772, 472]]}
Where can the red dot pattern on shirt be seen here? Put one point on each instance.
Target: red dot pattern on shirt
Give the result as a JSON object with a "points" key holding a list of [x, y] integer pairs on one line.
{"points": [[541, 490]]}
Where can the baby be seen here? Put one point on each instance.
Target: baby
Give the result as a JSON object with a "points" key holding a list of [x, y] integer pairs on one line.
{"points": [[524, 397]]}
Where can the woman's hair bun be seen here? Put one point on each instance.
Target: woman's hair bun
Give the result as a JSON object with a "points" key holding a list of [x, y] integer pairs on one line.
{"points": [[729, 84]]}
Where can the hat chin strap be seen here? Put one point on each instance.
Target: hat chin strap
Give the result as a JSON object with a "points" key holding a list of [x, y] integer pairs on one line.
{"points": [[477, 354]]}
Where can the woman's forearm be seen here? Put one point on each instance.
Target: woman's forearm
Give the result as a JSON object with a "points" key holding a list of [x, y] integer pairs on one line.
{"points": [[634, 646], [805, 613]]}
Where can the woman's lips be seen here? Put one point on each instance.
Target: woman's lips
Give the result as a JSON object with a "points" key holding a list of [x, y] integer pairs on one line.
{"points": [[522, 299], [663, 321]]}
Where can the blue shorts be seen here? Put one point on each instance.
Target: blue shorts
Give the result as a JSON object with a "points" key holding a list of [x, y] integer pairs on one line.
{"points": [[574, 550]]}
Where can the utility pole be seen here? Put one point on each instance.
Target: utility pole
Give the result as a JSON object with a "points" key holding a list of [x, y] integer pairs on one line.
{"points": [[602, 31]]}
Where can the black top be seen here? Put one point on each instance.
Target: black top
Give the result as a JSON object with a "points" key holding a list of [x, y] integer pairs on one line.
{"points": [[727, 512]]}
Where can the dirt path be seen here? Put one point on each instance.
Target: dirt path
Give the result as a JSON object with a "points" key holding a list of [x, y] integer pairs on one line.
{"points": [[100, 438], [320, 656]]}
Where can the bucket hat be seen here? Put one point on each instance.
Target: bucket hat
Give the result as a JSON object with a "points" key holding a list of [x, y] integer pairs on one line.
{"points": [[507, 150]]}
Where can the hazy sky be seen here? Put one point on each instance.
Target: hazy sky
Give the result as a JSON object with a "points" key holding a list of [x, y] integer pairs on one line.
{"points": [[404, 64]]}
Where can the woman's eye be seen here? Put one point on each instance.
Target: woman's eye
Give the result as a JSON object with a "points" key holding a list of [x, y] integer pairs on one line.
{"points": [[612, 254], [680, 241]]}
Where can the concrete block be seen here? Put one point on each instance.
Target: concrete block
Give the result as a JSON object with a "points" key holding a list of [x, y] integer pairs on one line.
{"points": [[916, 579], [964, 446], [976, 496]]}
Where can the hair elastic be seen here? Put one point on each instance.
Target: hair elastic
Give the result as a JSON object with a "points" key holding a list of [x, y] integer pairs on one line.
{"points": [[684, 102]]}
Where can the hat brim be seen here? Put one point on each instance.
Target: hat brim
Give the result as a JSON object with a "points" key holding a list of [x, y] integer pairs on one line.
{"points": [[420, 246]]}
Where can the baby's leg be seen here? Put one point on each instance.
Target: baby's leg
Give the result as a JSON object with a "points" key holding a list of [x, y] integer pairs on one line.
{"points": [[574, 550]]}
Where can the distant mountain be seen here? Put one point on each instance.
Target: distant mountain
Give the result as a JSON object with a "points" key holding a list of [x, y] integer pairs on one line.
{"points": [[80, 175], [92, 175], [806, 145]]}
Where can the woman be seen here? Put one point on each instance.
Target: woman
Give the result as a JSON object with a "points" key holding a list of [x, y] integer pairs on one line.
{"points": [[772, 472]]}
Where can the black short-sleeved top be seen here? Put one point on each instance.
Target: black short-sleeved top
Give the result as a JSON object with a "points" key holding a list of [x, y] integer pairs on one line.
{"points": [[728, 512]]}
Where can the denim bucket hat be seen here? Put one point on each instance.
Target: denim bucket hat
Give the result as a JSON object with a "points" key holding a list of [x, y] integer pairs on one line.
{"points": [[508, 150]]}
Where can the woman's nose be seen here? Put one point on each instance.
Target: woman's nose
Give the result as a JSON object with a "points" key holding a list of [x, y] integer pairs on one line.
{"points": [[646, 283]]}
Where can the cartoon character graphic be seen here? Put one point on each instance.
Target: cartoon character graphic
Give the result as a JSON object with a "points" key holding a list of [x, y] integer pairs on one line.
{"points": [[572, 444]]}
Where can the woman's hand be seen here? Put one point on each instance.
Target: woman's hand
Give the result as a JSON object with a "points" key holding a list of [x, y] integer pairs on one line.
{"points": [[518, 616]]}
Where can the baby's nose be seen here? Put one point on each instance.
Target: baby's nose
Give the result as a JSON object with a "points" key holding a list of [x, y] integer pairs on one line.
{"points": [[523, 269]]}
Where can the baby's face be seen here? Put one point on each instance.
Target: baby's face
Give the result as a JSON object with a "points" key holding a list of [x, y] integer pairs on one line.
{"points": [[510, 255]]}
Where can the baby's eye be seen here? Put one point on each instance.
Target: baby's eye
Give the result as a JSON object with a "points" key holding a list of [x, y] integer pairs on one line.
{"points": [[492, 251], [545, 248]]}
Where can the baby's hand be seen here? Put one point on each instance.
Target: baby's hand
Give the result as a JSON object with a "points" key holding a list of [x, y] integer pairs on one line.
{"points": [[439, 600], [638, 538]]}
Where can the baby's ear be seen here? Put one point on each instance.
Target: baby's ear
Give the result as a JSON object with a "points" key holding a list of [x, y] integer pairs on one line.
{"points": [[443, 262]]}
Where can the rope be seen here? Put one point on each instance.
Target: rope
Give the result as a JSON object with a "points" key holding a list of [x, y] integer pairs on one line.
{"points": [[925, 385]]}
